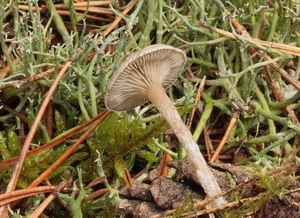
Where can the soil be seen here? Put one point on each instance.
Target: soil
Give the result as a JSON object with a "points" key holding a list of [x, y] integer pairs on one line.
{"points": [[155, 195]]}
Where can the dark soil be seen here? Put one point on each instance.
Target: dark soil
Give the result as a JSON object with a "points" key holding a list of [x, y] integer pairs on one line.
{"points": [[156, 195]]}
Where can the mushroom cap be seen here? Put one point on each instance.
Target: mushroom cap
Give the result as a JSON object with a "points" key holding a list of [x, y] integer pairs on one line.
{"points": [[154, 65]]}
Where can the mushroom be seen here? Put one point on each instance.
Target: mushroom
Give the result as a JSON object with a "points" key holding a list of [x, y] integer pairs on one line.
{"points": [[144, 76]]}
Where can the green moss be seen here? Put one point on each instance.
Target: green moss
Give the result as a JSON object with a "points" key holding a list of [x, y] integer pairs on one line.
{"points": [[272, 185], [121, 135], [186, 206], [13, 142]]}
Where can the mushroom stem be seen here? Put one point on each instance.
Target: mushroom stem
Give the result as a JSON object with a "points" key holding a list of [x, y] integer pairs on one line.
{"points": [[203, 175]]}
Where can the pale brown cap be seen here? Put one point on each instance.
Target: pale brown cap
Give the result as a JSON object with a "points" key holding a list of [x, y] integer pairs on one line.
{"points": [[155, 64]]}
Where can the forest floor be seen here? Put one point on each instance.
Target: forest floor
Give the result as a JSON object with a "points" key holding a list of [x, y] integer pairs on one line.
{"points": [[64, 154]]}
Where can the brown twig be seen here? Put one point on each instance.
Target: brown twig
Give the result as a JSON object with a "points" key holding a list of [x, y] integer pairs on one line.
{"points": [[293, 191], [96, 194], [281, 71], [206, 201], [17, 170], [91, 17], [81, 7], [51, 144], [208, 144], [24, 81], [275, 89], [278, 46], [38, 211], [197, 99], [71, 149], [23, 193], [117, 20], [84, 4], [17, 114], [215, 209], [40, 75], [59, 161], [16, 173], [127, 178], [96, 10], [203, 203], [222, 207], [266, 57], [49, 119], [165, 168], [225, 156], [89, 27], [232, 122], [279, 95], [216, 131], [43, 9], [96, 181]]}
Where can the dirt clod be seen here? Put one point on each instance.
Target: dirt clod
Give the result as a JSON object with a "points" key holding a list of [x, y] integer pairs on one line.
{"points": [[138, 190], [136, 208]]}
